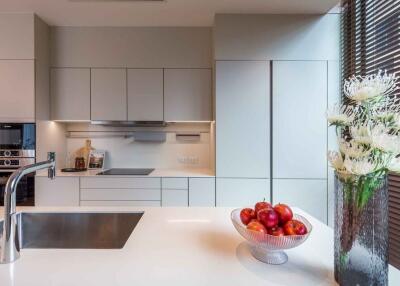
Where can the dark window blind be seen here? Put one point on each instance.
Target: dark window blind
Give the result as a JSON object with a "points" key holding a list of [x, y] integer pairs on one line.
{"points": [[370, 42]]}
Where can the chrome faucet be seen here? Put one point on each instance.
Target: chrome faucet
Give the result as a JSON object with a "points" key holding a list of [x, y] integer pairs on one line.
{"points": [[9, 242]]}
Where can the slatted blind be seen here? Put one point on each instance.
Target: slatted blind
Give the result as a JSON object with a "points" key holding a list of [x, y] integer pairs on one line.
{"points": [[370, 42]]}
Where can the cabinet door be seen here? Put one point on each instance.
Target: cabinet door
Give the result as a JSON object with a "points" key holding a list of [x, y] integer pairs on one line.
{"points": [[108, 97], [299, 123], [145, 95], [202, 192], [241, 192], [17, 90], [242, 119], [187, 94], [57, 192], [70, 94], [174, 198], [309, 195]]}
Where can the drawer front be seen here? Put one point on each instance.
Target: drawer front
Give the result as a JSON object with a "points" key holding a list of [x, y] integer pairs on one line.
{"points": [[120, 183], [120, 203], [175, 183], [120, 194], [174, 198]]}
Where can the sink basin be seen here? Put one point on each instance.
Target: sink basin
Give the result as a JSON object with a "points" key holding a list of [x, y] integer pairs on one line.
{"points": [[75, 230]]}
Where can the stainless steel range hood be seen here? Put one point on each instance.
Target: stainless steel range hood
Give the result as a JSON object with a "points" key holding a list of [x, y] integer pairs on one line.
{"points": [[131, 123]]}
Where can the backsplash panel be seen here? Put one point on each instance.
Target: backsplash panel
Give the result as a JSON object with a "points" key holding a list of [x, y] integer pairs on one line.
{"points": [[124, 152]]}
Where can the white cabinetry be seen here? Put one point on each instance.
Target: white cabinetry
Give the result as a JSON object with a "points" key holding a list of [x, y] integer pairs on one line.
{"points": [[62, 191], [241, 192], [108, 96], [309, 195], [201, 192], [174, 192], [17, 90], [242, 119], [145, 95], [187, 94], [70, 94], [299, 122]]}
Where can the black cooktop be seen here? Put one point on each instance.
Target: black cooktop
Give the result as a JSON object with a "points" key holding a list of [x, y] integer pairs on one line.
{"points": [[127, 172]]}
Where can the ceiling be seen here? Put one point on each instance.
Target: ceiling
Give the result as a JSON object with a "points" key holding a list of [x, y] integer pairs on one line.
{"points": [[153, 13]]}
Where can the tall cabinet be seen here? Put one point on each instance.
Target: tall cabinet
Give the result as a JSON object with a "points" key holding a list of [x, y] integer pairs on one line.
{"points": [[299, 97], [242, 132]]}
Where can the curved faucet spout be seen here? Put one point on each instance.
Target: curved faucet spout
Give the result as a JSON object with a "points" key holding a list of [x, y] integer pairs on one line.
{"points": [[9, 243]]}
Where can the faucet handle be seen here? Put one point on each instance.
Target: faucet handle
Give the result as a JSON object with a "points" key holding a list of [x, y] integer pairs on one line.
{"points": [[51, 156]]}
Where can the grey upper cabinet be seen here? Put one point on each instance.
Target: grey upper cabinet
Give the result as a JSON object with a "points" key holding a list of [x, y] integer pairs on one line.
{"points": [[187, 94], [70, 93], [299, 124], [17, 90], [145, 95], [242, 119], [108, 96]]}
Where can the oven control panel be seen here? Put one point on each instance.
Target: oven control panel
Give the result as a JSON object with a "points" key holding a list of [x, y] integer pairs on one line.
{"points": [[13, 159]]}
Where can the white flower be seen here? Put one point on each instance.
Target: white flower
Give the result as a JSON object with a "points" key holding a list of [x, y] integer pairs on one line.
{"points": [[340, 116], [360, 167], [383, 141], [361, 134], [361, 89], [353, 149], [395, 165], [336, 161]]}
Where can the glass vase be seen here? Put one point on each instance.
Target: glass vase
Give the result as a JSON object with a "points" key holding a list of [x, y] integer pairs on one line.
{"points": [[361, 230]]}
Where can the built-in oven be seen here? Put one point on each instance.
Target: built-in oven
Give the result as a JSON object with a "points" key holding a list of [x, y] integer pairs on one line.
{"points": [[17, 149]]}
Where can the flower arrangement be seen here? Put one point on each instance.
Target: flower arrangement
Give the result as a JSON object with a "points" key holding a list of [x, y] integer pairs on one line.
{"points": [[368, 127]]}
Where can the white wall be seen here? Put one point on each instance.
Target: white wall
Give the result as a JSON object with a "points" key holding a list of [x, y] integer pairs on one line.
{"points": [[136, 47], [125, 153], [276, 37]]}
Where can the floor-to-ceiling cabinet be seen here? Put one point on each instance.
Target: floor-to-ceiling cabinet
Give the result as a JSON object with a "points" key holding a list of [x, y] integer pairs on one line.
{"points": [[242, 132], [270, 125], [299, 136]]}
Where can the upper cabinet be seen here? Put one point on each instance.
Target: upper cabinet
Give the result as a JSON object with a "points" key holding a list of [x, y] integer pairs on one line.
{"points": [[108, 94], [187, 94], [299, 106], [70, 94], [242, 119], [17, 90], [145, 95]]}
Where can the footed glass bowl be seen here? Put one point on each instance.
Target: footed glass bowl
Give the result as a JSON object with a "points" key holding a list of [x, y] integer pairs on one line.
{"points": [[268, 248]]}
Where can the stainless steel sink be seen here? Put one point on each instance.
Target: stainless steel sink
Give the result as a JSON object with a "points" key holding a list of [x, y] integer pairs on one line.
{"points": [[75, 230]]}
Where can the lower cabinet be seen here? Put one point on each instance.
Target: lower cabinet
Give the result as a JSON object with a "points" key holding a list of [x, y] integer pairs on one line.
{"points": [[120, 203], [241, 192], [202, 192], [62, 191], [307, 194], [174, 192]]}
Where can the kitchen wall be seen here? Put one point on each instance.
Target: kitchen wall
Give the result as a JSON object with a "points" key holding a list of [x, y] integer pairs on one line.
{"points": [[125, 152]]}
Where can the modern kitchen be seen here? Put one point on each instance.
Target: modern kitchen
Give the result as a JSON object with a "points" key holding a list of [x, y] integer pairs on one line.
{"points": [[190, 142]]}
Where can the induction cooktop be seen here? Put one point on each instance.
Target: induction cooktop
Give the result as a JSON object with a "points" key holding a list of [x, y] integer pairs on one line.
{"points": [[127, 172]]}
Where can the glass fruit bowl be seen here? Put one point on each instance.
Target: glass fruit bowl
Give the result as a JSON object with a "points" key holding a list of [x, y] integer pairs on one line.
{"points": [[268, 248]]}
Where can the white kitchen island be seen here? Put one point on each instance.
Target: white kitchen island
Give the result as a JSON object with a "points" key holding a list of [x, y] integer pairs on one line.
{"points": [[176, 246]]}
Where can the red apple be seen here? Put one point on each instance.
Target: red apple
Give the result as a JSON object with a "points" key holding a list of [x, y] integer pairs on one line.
{"points": [[268, 217], [284, 212], [262, 205], [294, 227], [256, 226], [277, 231], [246, 215]]}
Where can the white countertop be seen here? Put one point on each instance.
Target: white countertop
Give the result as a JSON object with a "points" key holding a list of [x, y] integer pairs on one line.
{"points": [[177, 246], [189, 172]]}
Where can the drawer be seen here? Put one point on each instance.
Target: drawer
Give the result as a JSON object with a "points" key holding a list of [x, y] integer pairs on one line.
{"points": [[121, 194], [174, 198], [175, 183], [120, 183], [120, 203]]}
